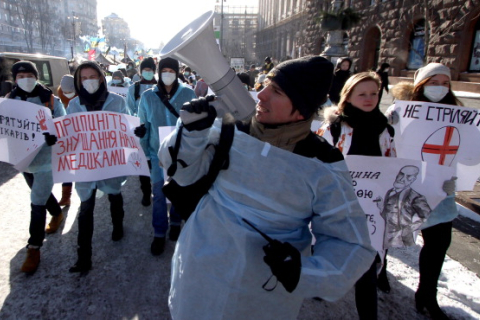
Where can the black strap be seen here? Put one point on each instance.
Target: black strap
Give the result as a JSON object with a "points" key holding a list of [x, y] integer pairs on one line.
{"points": [[220, 158], [137, 90], [167, 104]]}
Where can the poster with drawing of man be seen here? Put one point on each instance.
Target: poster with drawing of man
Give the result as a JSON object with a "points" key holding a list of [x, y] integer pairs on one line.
{"points": [[403, 209], [397, 196]]}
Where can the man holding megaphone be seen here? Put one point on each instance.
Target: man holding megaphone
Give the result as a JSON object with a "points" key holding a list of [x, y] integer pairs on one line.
{"points": [[251, 230]]}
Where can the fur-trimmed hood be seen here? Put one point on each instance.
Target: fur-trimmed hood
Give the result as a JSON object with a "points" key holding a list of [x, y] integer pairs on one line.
{"points": [[403, 91], [330, 114]]}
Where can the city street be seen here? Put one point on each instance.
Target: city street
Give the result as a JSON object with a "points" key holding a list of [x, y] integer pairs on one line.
{"points": [[127, 282]]}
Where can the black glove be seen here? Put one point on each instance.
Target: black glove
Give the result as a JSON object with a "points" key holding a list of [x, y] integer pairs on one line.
{"points": [[198, 106], [140, 131], [285, 262], [50, 139]]}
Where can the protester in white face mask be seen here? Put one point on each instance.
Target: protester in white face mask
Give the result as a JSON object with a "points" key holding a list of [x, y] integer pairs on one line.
{"points": [[154, 111], [432, 83], [93, 95], [147, 80], [38, 174]]}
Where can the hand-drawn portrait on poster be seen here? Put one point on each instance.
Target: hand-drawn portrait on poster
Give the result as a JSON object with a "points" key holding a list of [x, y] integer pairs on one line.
{"points": [[397, 196], [442, 134], [94, 146], [21, 126]]}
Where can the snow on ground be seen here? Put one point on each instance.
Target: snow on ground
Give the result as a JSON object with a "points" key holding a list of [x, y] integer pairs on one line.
{"points": [[127, 282]]}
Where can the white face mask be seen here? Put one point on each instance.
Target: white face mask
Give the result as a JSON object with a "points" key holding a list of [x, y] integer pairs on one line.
{"points": [[435, 93], [168, 78], [27, 84], [91, 85], [69, 95], [147, 75]]}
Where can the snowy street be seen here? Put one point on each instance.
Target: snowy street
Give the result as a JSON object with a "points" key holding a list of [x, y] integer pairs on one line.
{"points": [[127, 282]]}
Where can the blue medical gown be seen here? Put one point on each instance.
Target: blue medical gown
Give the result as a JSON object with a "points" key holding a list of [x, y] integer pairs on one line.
{"points": [[132, 104], [153, 113], [218, 269], [115, 103]]}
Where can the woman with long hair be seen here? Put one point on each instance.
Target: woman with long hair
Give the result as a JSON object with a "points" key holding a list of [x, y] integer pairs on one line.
{"points": [[358, 127], [432, 83]]}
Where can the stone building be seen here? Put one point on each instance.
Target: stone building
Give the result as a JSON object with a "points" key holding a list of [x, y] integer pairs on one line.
{"points": [[394, 31], [281, 29], [236, 27]]}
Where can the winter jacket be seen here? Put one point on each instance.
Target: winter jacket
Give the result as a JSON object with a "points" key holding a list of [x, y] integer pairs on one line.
{"points": [[218, 268], [344, 141], [339, 79]]}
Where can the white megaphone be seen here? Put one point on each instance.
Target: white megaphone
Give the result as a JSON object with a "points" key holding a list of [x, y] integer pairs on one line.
{"points": [[195, 46]]}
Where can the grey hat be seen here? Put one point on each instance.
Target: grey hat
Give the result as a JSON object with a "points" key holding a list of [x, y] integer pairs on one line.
{"points": [[67, 84], [430, 70]]}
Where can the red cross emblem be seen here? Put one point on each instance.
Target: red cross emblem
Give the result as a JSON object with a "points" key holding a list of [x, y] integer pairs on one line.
{"points": [[441, 146]]}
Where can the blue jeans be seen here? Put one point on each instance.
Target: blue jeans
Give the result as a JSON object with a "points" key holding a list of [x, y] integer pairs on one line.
{"points": [[160, 212]]}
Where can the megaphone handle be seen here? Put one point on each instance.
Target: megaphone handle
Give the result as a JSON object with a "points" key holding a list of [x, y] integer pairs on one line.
{"points": [[189, 117]]}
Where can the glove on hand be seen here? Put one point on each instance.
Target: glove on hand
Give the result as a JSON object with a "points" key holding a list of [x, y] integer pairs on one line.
{"points": [[449, 186], [140, 131], [285, 262], [50, 139], [393, 117], [198, 106]]}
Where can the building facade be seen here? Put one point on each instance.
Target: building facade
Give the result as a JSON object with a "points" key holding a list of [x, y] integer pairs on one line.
{"points": [[407, 34], [282, 29], [46, 26], [237, 26]]}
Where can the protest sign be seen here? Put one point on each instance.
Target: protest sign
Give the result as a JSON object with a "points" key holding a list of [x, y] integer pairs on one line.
{"points": [[21, 127], [123, 91], [163, 132], [441, 134], [402, 192], [94, 146]]}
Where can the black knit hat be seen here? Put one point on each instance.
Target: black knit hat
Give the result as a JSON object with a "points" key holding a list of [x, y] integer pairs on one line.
{"points": [[306, 81], [24, 66], [168, 63], [147, 63]]}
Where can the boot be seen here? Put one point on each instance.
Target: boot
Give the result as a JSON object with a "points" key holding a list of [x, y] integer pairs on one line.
{"points": [[84, 262], [146, 187], [117, 214], [158, 246], [32, 261], [54, 224], [66, 194], [425, 300]]}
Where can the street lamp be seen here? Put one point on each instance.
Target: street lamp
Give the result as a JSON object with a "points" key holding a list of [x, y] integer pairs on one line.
{"points": [[73, 17]]}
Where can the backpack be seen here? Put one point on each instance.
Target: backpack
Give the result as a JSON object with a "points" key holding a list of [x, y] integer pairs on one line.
{"points": [[186, 198]]}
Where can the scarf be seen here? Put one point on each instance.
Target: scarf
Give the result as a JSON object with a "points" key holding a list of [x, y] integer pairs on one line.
{"points": [[283, 136], [94, 101], [163, 91], [367, 127], [40, 91]]}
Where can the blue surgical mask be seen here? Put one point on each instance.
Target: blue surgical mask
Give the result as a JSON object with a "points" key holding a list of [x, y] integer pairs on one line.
{"points": [[186, 73], [147, 75], [116, 81]]}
